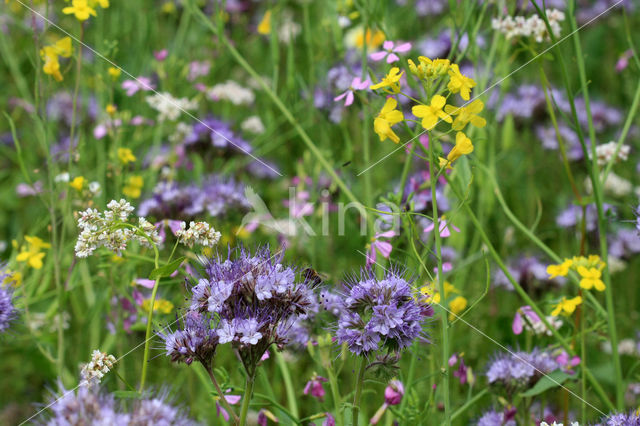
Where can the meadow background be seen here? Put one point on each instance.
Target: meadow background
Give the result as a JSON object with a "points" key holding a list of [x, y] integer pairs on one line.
{"points": [[255, 83]]}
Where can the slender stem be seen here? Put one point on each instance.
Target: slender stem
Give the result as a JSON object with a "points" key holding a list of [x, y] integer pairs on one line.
{"points": [[335, 393], [248, 391], [443, 315], [288, 384], [469, 403], [223, 400], [358, 394], [147, 336]]}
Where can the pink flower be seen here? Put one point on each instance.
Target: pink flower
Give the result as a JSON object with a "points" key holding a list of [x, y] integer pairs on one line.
{"points": [[564, 360], [393, 394], [315, 388], [161, 55], [443, 224], [623, 61], [390, 50], [518, 324], [329, 420], [140, 83], [356, 84], [145, 282], [384, 247], [232, 400]]}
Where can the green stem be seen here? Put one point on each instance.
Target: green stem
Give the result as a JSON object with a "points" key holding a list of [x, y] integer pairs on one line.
{"points": [[469, 403], [246, 399], [147, 336], [358, 394], [223, 400], [335, 393], [288, 384]]}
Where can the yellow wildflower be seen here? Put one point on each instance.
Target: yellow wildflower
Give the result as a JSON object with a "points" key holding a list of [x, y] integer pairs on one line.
{"points": [[459, 83], [78, 183], [391, 81], [387, 117], [50, 55], [114, 72], [161, 305], [443, 162], [591, 277], [102, 3], [430, 114], [372, 39], [456, 306], [33, 254], [466, 114], [13, 278], [428, 68], [126, 155], [463, 146], [264, 27], [566, 306], [81, 10], [133, 188], [560, 270], [110, 109], [168, 7]]}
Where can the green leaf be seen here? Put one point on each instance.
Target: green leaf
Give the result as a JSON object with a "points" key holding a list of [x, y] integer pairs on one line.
{"points": [[550, 381], [122, 394], [166, 270]]}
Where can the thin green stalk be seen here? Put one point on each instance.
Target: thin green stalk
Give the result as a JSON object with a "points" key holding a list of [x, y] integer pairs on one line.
{"points": [[223, 400], [408, 382], [443, 314], [288, 384], [147, 335], [358, 394], [469, 403], [246, 399], [335, 393]]}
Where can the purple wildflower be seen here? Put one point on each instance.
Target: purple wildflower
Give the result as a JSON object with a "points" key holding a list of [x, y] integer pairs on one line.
{"points": [[348, 95], [515, 371], [495, 418], [315, 388], [379, 314], [195, 341], [390, 50], [621, 419], [7, 310]]}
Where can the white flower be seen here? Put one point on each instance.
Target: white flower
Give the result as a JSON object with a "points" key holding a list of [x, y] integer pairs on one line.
{"points": [[232, 92], [94, 188], [62, 177], [288, 29], [614, 185], [606, 152], [198, 233], [532, 26], [92, 372], [169, 108], [253, 124]]}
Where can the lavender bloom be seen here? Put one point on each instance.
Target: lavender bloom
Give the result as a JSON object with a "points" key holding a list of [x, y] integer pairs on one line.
{"points": [[60, 108], [621, 419], [548, 138], [495, 418], [195, 341], [215, 196], [520, 370], [257, 299], [624, 243], [572, 216], [379, 314], [527, 101], [7, 310], [426, 7], [218, 134]]}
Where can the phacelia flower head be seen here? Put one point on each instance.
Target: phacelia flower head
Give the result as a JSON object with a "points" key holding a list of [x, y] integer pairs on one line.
{"points": [[379, 314], [7, 309], [256, 299], [196, 340], [621, 419], [515, 371]]}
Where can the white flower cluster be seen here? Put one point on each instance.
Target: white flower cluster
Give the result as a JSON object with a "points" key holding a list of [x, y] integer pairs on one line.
{"points": [[232, 92], [198, 233], [169, 108], [97, 229], [606, 152], [614, 185], [288, 29], [538, 327], [92, 372], [253, 125], [533, 26]]}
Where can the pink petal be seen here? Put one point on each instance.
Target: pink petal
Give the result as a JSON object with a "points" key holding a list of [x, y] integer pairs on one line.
{"points": [[371, 256], [233, 399], [392, 58], [386, 234], [516, 326], [144, 282], [388, 45], [378, 56], [404, 47], [337, 98], [349, 99], [429, 228], [365, 84], [384, 247]]}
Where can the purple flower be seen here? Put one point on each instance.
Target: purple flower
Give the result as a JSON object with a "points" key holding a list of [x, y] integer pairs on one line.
{"points": [[379, 314], [161, 55], [393, 394], [515, 371], [525, 313], [377, 245], [494, 418], [141, 83], [389, 52], [195, 341], [621, 419], [7, 310], [315, 387], [356, 84]]}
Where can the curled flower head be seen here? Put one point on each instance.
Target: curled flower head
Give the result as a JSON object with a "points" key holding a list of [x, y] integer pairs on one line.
{"points": [[516, 371], [194, 341], [379, 314]]}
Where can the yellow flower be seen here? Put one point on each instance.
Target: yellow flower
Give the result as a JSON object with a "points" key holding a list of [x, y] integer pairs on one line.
{"points": [[110, 109], [467, 114], [443, 162], [13, 278], [391, 81], [264, 27], [566, 306], [114, 72], [459, 83], [33, 254], [168, 7], [133, 188], [560, 270], [126, 156], [161, 305], [77, 183], [387, 117], [50, 55], [81, 10], [463, 146], [372, 40], [456, 306], [428, 68], [102, 3], [430, 114], [591, 278]]}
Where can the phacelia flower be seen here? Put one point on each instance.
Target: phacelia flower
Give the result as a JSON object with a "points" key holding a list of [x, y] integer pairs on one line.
{"points": [[93, 372], [432, 113], [7, 309], [390, 82], [566, 306], [621, 419], [515, 371], [194, 341], [379, 314], [388, 117], [458, 83], [389, 52]]}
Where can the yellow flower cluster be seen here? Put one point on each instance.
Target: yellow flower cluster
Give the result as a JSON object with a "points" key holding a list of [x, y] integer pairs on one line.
{"points": [[429, 294], [32, 254], [133, 188], [125, 155], [160, 305], [588, 268], [430, 71], [83, 9], [50, 55]]}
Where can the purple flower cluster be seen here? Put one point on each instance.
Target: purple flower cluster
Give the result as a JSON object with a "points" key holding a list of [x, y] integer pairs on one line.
{"points": [[572, 216], [254, 298], [497, 418], [7, 309], [380, 314], [624, 243], [217, 133], [89, 405], [426, 7], [194, 341], [215, 196], [621, 419], [520, 370], [529, 272]]}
